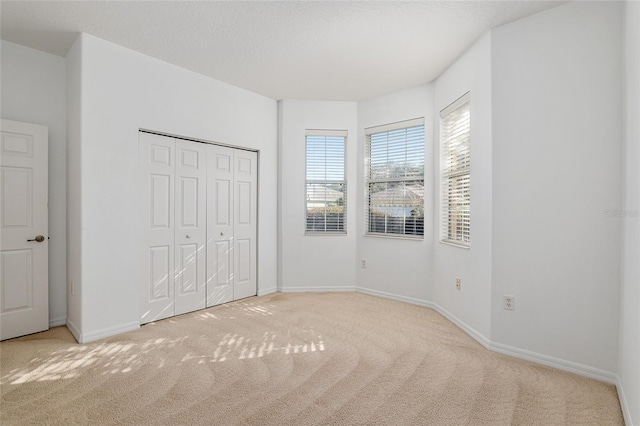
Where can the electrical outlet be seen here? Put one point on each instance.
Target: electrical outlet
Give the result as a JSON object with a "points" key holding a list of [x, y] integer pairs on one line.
{"points": [[509, 302], [363, 263], [458, 283]]}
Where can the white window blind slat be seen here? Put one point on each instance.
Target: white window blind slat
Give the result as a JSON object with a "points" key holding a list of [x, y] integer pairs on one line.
{"points": [[326, 187], [455, 161]]}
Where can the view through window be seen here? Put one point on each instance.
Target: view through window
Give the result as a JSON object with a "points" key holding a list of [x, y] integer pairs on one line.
{"points": [[326, 192], [395, 179]]}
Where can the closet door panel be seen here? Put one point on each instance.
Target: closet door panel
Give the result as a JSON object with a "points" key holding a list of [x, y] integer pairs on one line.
{"points": [[191, 226], [220, 225], [245, 224], [157, 271]]}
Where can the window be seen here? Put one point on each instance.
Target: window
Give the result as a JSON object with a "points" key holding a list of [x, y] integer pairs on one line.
{"points": [[455, 167], [326, 195], [395, 179]]}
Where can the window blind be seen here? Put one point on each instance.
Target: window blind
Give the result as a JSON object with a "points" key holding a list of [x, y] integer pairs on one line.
{"points": [[395, 179], [326, 187], [455, 166]]}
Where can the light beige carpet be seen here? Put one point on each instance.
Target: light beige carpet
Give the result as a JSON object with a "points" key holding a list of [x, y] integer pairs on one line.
{"points": [[291, 359]]}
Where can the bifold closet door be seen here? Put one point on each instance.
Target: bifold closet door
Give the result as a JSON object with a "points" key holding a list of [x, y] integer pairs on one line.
{"points": [[173, 234], [231, 224], [219, 225], [245, 179], [190, 226], [157, 256]]}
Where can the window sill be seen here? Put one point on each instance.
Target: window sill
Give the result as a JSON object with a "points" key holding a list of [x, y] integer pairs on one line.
{"points": [[325, 234], [451, 243], [396, 236]]}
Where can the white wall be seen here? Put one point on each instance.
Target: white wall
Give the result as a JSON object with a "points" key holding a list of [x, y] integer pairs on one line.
{"points": [[314, 262], [396, 267], [33, 90], [74, 205], [629, 362], [556, 169], [472, 304], [121, 92]]}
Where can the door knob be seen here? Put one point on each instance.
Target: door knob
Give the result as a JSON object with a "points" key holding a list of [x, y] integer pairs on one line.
{"points": [[222, 233], [188, 236], [39, 239]]}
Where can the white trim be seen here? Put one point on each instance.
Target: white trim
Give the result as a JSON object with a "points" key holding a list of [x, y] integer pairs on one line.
{"points": [[192, 139], [455, 244], [456, 104], [626, 411], [107, 332], [394, 126], [73, 330], [396, 236], [472, 332], [57, 322], [549, 361], [320, 132], [420, 302], [324, 233], [384, 294], [317, 289], [265, 291]]}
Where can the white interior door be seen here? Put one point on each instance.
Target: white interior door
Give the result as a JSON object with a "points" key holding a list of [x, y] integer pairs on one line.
{"points": [[157, 256], [245, 224], [220, 225], [191, 226], [24, 286]]}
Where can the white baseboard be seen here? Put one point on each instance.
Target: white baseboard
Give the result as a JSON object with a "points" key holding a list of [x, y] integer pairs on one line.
{"points": [[57, 322], [73, 329], [472, 332], [421, 302], [107, 332], [626, 412], [265, 291], [392, 296], [549, 361], [316, 289]]}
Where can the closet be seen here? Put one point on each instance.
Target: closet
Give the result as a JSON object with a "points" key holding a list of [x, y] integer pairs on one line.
{"points": [[198, 225]]}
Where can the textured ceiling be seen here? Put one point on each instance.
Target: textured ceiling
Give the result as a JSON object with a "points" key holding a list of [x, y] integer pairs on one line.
{"points": [[283, 50]]}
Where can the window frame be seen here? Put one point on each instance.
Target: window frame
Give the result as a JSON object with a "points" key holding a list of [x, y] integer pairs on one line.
{"points": [[368, 180], [326, 133], [448, 174]]}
